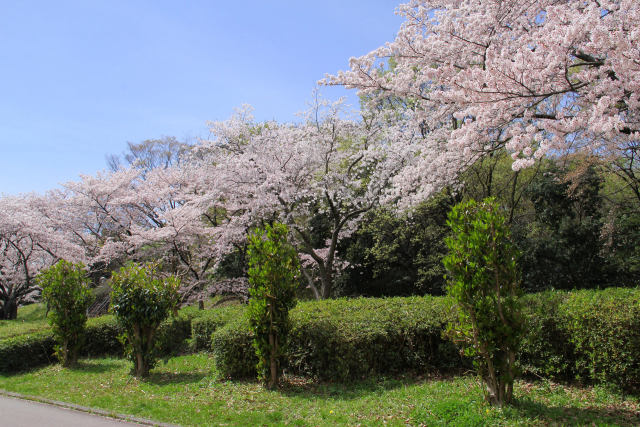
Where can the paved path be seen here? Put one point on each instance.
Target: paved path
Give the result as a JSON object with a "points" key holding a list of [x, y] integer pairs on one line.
{"points": [[26, 413]]}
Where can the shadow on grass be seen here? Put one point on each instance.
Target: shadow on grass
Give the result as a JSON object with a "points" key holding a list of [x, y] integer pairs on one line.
{"points": [[164, 378], [569, 415], [96, 366], [293, 386]]}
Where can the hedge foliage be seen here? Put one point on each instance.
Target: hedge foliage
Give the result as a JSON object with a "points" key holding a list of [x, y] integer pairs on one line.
{"points": [[203, 326], [348, 339], [590, 335], [593, 336], [28, 351]]}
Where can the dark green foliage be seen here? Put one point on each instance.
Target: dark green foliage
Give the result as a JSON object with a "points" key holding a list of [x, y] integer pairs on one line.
{"points": [[233, 264], [395, 254], [273, 279], [545, 350], [483, 285], [141, 301], [65, 289], [562, 246], [28, 351], [205, 325], [622, 245], [349, 339]]}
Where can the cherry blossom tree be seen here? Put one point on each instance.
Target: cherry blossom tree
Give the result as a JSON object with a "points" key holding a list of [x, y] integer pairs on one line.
{"points": [[538, 77], [326, 168], [139, 214], [31, 238]]}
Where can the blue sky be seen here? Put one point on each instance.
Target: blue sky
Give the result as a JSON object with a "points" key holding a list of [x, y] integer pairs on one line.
{"points": [[78, 79]]}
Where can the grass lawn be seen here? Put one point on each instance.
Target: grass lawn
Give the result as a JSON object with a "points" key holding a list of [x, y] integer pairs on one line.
{"points": [[186, 390], [31, 318]]}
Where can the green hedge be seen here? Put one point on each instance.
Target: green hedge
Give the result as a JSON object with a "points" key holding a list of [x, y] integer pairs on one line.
{"points": [[233, 350], [23, 352], [546, 350], [591, 335], [204, 325], [32, 350], [349, 339], [604, 328]]}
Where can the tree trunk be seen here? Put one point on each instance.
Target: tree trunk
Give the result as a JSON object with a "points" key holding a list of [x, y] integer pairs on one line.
{"points": [[273, 345], [138, 344], [327, 284], [273, 364], [10, 310]]}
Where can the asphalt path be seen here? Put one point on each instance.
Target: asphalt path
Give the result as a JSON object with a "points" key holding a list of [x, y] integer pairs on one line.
{"points": [[26, 413]]}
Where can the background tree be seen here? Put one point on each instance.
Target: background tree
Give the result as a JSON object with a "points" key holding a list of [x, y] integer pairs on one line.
{"points": [[318, 177], [535, 78], [31, 238], [399, 253], [150, 154]]}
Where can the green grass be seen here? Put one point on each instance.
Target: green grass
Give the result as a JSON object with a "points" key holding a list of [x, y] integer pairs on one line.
{"points": [[186, 390], [31, 318]]}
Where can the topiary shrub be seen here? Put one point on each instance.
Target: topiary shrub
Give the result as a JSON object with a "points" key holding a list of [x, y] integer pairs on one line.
{"points": [[65, 289], [273, 278], [141, 300], [483, 285]]}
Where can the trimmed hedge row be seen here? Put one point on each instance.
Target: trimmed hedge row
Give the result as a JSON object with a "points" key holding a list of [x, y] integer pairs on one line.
{"points": [[348, 339], [593, 336], [23, 352], [203, 326], [31, 350]]}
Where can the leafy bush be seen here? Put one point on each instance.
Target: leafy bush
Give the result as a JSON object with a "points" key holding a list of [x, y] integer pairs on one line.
{"points": [[65, 289], [483, 284], [141, 301], [273, 272]]}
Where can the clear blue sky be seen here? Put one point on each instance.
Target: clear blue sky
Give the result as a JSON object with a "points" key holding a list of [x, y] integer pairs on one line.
{"points": [[78, 79]]}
